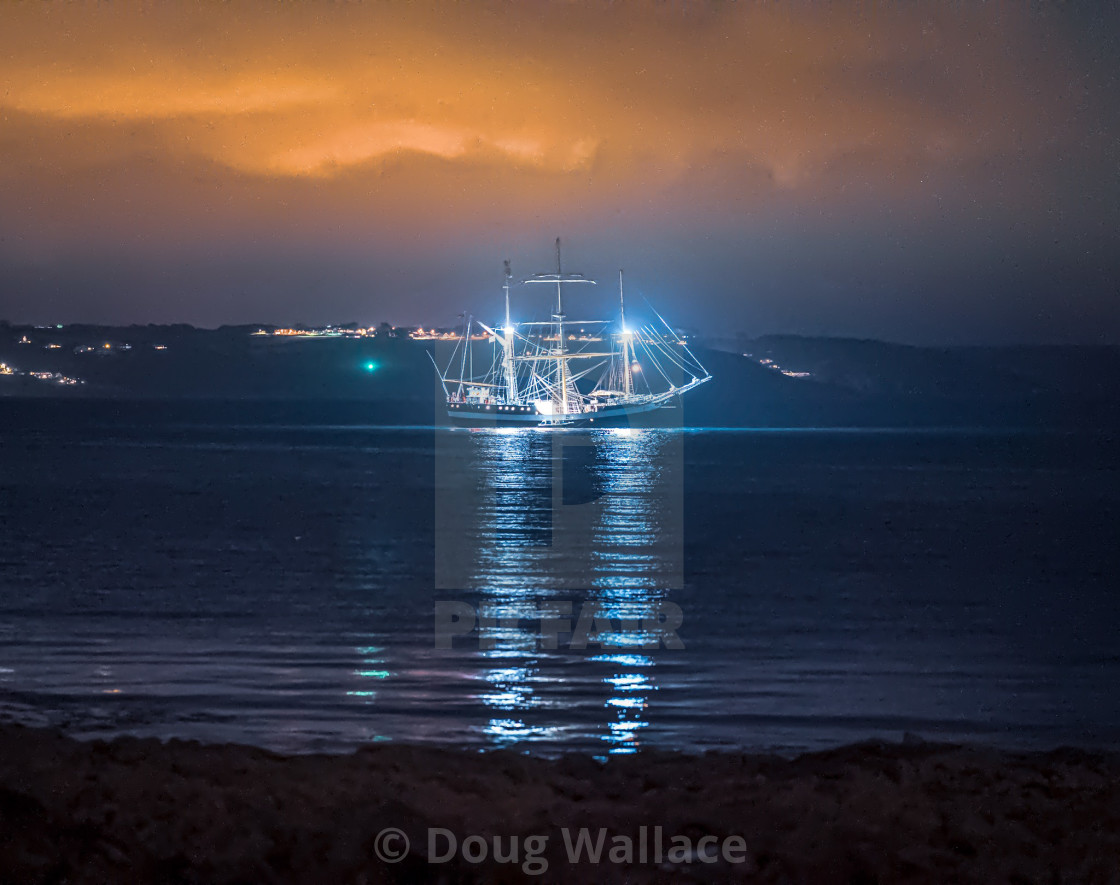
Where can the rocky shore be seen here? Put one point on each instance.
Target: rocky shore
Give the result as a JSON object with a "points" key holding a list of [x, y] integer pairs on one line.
{"points": [[133, 810]]}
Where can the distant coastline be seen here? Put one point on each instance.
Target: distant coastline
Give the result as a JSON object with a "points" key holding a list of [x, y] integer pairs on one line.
{"points": [[769, 381]]}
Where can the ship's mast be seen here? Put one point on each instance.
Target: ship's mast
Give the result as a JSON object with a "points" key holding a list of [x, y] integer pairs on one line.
{"points": [[558, 355], [509, 274], [507, 346], [561, 363], [627, 373], [466, 347]]}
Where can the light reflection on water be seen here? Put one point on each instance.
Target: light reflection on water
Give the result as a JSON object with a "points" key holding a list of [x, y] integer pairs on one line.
{"points": [[592, 519], [275, 587]]}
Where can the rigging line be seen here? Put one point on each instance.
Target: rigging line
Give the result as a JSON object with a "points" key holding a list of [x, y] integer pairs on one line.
{"points": [[435, 366], [587, 372], [644, 376], [671, 354], [661, 370], [672, 357], [674, 334], [699, 364], [493, 370], [470, 350], [466, 347], [649, 353], [451, 359], [583, 349], [658, 342], [676, 337]]}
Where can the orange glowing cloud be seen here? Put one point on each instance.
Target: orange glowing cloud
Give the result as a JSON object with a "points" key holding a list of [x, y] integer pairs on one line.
{"points": [[161, 95], [594, 105]]}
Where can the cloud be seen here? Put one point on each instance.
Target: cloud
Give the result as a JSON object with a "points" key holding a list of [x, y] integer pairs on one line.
{"points": [[288, 91], [313, 129]]}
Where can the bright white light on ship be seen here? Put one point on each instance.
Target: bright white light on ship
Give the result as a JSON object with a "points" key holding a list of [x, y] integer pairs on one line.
{"points": [[509, 330], [544, 406]]}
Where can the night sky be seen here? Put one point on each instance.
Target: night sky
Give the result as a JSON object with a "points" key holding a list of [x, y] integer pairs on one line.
{"points": [[931, 173]]}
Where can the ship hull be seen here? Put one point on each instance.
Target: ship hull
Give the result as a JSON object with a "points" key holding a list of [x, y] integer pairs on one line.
{"points": [[658, 414]]}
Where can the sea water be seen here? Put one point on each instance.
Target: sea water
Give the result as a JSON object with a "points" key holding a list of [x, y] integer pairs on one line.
{"points": [[207, 573]]}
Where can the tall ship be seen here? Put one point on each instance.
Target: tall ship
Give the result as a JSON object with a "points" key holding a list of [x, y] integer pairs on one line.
{"points": [[563, 372]]}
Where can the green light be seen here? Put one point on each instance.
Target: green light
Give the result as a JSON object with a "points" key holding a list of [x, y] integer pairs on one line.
{"points": [[371, 366]]}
